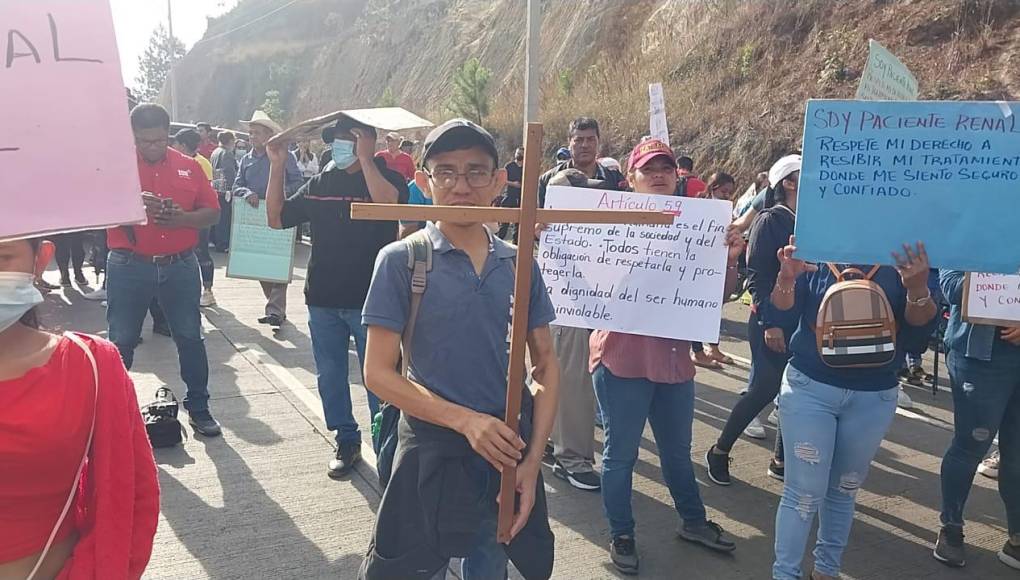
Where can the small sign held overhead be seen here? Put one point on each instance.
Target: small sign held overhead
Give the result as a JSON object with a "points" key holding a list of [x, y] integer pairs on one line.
{"points": [[384, 118], [657, 128], [885, 78]]}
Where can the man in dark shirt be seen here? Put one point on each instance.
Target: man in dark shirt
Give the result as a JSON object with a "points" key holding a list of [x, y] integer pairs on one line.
{"points": [[512, 197], [224, 164], [584, 149], [341, 264]]}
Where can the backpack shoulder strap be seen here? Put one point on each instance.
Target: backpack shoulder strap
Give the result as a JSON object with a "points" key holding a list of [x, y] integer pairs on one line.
{"points": [[419, 262], [871, 274], [835, 271]]}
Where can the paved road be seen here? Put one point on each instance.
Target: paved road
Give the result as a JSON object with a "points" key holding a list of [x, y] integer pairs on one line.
{"points": [[256, 503]]}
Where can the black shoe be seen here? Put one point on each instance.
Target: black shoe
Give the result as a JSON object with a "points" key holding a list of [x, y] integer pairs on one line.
{"points": [[709, 534], [623, 552], [949, 548], [80, 279], [163, 329], [1010, 555], [44, 285], [718, 467], [65, 281], [777, 470], [347, 456], [273, 320], [548, 458], [584, 480], [204, 423]]}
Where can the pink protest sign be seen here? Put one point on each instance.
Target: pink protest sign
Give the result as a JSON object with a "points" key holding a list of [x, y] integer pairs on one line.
{"points": [[67, 155]]}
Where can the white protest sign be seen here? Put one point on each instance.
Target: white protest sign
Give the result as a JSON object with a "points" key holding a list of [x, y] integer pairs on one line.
{"points": [[664, 281], [885, 78], [992, 299], [383, 118], [657, 128]]}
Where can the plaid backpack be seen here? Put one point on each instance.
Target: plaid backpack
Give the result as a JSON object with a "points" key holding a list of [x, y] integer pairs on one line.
{"points": [[856, 327]]}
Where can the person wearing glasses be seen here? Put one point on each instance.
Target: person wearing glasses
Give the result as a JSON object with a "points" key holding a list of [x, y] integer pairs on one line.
{"points": [[340, 266]]}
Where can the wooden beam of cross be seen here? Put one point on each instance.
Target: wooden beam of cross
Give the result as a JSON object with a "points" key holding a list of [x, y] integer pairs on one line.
{"points": [[526, 217]]}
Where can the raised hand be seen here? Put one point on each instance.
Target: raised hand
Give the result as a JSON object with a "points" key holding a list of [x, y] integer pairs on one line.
{"points": [[913, 267], [790, 267]]}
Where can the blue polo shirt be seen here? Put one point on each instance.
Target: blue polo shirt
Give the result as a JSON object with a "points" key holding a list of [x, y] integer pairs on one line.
{"points": [[459, 349]]}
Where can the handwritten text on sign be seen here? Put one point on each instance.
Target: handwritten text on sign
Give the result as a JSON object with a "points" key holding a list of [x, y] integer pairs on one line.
{"points": [[664, 281], [877, 175], [257, 251], [61, 78], [885, 78], [993, 298]]}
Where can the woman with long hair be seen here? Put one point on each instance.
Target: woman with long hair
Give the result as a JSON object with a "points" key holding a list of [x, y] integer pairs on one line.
{"points": [[78, 496], [641, 379]]}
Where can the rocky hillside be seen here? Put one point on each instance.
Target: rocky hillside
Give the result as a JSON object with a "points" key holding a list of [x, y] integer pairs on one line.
{"points": [[736, 73]]}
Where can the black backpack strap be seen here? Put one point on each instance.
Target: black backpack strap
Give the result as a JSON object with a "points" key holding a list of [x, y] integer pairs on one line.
{"points": [[419, 262]]}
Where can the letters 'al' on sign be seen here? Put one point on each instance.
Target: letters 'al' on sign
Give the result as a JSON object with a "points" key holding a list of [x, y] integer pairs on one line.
{"points": [[61, 77]]}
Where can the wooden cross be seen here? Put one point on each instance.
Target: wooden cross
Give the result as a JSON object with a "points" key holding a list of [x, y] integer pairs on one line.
{"points": [[527, 216]]}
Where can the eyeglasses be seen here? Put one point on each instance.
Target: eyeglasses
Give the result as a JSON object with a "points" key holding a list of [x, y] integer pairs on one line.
{"points": [[476, 178]]}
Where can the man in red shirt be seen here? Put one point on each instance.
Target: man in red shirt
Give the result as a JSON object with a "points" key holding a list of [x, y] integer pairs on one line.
{"points": [[396, 159], [688, 184], [157, 260], [209, 138]]}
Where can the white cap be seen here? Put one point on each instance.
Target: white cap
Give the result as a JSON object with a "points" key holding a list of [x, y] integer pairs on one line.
{"points": [[782, 168]]}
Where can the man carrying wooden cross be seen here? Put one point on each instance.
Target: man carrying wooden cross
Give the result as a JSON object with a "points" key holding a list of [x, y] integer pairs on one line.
{"points": [[452, 439]]}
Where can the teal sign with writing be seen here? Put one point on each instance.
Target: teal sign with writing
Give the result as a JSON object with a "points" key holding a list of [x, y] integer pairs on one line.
{"points": [[878, 174], [258, 252]]}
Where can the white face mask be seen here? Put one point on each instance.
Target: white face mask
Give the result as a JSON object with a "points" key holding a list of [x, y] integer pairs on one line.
{"points": [[18, 295]]}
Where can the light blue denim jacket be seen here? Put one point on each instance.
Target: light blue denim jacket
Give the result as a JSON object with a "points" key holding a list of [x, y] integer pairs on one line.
{"points": [[970, 340]]}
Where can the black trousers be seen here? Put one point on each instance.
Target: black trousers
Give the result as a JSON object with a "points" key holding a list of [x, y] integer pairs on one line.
{"points": [[767, 368], [70, 251]]}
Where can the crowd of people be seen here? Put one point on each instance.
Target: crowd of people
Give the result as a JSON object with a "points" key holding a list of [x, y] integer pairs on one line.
{"points": [[427, 305]]}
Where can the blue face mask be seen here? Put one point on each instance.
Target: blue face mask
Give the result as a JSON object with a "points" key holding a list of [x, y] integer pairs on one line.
{"points": [[343, 153], [18, 295]]}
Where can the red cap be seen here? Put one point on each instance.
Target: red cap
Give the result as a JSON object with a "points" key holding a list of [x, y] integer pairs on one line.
{"points": [[645, 151]]}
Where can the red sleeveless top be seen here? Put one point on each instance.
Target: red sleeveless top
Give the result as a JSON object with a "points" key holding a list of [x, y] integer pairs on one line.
{"points": [[44, 426]]}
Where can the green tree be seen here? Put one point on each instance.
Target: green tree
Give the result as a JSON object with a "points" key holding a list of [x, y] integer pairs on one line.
{"points": [[387, 99], [565, 80], [470, 91], [154, 64], [272, 107]]}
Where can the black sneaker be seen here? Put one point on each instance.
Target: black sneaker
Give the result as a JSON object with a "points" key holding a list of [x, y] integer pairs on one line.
{"points": [[347, 456], [776, 470], [65, 281], [273, 320], [718, 467], [584, 480], [1010, 555], [623, 552], [80, 279], [949, 548], [709, 534], [204, 424]]}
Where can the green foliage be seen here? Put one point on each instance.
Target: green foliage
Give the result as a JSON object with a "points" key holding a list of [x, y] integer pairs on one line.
{"points": [[836, 53], [272, 107], [565, 82], [154, 64], [745, 60], [470, 91], [387, 99]]}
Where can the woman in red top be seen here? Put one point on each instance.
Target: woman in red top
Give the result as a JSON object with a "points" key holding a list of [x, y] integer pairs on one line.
{"points": [[642, 379], [55, 523]]}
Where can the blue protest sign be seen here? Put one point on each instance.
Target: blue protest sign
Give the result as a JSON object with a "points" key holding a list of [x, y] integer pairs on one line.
{"points": [[878, 174]]}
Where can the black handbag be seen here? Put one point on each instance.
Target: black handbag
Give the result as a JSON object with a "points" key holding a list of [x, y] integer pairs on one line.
{"points": [[161, 423]]}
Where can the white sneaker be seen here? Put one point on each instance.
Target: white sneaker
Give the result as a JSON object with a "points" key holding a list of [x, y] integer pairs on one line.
{"points": [[774, 417], [99, 294], [207, 299], [903, 400], [755, 430], [990, 466]]}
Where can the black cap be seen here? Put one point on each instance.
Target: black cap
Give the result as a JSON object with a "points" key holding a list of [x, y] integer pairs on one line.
{"points": [[457, 134]]}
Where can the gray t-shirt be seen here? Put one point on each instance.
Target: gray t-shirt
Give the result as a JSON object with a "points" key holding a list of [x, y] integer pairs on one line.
{"points": [[459, 349]]}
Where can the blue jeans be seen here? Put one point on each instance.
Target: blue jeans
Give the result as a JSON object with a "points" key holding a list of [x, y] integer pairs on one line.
{"points": [[131, 285], [487, 561], [627, 404], [831, 436], [221, 230], [331, 330], [986, 400]]}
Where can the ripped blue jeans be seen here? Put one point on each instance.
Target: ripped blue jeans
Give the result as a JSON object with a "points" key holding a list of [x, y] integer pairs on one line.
{"points": [[831, 435]]}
